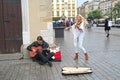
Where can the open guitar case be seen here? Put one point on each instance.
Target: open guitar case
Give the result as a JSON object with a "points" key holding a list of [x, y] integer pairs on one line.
{"points": [[76, 70]]}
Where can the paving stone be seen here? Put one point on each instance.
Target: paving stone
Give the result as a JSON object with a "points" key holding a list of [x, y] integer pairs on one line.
{"points": [[103, 59]]}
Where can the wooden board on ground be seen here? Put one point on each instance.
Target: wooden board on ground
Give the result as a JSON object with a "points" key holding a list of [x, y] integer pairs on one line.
{"points": [[74, 70]]}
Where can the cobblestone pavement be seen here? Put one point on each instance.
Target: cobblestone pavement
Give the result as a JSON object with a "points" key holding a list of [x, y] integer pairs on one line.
{"points": [[104, 59]]}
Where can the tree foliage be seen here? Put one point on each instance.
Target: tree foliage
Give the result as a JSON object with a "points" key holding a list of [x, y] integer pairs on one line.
{"points": [[116, 10], [96, 14]]}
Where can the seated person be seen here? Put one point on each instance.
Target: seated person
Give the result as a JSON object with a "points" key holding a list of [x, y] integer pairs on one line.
{"points": [[43, 54]]}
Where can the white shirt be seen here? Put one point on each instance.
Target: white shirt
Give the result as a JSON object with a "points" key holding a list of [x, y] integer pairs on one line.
{"points": [[109, 23], [77, 32]]}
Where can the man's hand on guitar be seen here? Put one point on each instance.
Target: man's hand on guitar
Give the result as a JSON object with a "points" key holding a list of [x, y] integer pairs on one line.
{"points": [[33, 50], [48, 48]]}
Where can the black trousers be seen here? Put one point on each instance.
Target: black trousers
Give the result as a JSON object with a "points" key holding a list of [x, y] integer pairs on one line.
{"points": [[43, 56], [107, 28]]}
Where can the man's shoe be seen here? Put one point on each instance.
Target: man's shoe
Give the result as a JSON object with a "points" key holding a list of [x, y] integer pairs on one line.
{"points": [[86, 56], [76, 56], [41, 63], [34, 60], [50, 63]]}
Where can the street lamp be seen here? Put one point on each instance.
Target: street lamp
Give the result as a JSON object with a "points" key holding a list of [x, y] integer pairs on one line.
{"points": [[111, 10]]}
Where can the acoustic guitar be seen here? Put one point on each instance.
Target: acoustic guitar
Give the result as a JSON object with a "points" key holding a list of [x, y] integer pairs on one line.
{"points": [[33, 54]]}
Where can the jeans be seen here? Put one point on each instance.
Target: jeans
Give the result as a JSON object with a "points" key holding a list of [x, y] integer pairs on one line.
{"points": [[43, 57], [78, 43]]}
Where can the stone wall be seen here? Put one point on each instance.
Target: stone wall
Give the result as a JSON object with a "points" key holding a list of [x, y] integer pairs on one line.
{"points": [[37, 20]]}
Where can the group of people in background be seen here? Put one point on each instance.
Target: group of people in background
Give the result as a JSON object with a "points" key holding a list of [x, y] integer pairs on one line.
{"points": [[64, 22]]}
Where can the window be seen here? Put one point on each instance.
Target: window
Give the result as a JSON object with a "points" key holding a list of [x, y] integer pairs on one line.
{"points": [[58, 6], [69, 0], [52, 13], [73, 13], [69, 13], [73, 0], [57, 0], [57, 13], [63, 6], [62, 13], [73, 7], [69, 6]]}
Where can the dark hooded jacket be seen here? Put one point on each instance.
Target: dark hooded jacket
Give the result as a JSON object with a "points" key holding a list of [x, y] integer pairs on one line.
{"points": [[45, 45]]}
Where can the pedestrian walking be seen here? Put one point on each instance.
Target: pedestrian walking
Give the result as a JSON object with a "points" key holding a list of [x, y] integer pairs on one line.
{"points": [[78, 30], [90, 24], [108, 25]]}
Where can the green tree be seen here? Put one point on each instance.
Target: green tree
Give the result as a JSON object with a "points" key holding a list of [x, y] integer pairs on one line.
{"points": [[56, 18], [116, 10], [96, 14]]}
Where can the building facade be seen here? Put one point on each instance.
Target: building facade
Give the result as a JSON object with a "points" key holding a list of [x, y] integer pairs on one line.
{"points": [[107, 5], [83, 10], [64, 8], [93, 5], [104, 5], [88, 7], [21, 21]]}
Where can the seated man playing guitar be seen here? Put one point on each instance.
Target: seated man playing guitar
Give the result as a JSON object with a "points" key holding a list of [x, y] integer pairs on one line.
{"points": [[40, 51]]}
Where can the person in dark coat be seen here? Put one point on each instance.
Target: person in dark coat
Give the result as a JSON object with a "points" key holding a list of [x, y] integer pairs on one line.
{"points": [[107, 28], [43, 56]]}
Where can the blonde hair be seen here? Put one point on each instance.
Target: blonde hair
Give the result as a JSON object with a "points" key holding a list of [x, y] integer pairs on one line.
{"points": [[84, 20]]}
